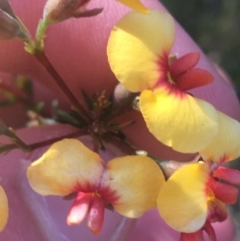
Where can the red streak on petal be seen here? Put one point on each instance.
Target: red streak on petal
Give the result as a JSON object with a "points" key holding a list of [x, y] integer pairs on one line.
{"points": [[79, 208], [180, 75], [96, 215], [173, 89], [230, 175], [106, 193], [163, 65], [197, 236], [86, 187], [210, 231], [109, 195], [224, 192], [193, 78], [184, 64], [163, 69]]}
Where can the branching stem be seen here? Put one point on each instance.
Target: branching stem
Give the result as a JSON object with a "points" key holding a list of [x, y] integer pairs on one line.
{"points": [[53, 140]]}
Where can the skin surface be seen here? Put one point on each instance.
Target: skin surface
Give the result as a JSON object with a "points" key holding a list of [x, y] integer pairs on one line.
{"points": [[77, 49]]}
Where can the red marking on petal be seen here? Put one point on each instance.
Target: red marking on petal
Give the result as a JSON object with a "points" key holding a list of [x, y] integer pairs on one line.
{"points": [[79, 208], [193, 78], [217, 211], [96, 215], [197, 236], [210, 231], [224, 192], [163, 66], [184, 64], [171, 89], [109, 195], [86, 187], [230, 175]]}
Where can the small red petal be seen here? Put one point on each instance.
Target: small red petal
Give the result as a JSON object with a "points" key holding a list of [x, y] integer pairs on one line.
{"points": [[96, 215], [197, 236], [193, 78], [230, 175], [184, 64], [210, 231], [79, 208], [224, 192]]}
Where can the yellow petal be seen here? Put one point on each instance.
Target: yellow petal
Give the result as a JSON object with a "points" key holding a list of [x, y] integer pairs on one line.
{"points": [[185, 123], [136, 45], [136, 181], [182, 201], [3, 209], [135, 5], [67, 166], [226, 145]]}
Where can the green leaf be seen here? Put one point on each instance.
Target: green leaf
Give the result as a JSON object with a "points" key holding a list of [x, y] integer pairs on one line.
{"points": [[8, 95], [7, 103], [89, 101], [109, 109], [71, 118], [16, 141], [25, 84]]}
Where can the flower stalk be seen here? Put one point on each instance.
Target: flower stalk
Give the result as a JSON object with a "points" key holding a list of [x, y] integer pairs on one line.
{"points": [[41, 57]]}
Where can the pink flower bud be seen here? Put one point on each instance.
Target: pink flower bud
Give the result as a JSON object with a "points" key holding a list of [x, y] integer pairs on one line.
{"points": [[9, 27], [59, 10], [5, 6]]}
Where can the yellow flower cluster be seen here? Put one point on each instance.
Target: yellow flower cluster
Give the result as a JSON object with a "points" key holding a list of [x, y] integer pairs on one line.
{"points": [[193, 197]]}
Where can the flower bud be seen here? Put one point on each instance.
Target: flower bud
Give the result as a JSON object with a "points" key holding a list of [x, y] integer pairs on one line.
{"points": [[59, 10], [9, 27], [5, 7], [123, 97]]}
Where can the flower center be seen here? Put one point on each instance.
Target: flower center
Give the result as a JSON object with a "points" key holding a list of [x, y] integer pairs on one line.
{"points": [[182, 74]]}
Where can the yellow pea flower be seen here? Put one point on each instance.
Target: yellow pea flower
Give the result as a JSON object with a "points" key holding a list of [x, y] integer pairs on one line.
{"points": [[194, 196], [129, 184], [138, 53], [3, 209], [135, 5]]}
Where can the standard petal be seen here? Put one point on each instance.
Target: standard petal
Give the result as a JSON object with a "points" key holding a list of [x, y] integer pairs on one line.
{"points": [[226, 144], [137, 45], [178, 120], [182, 201], [135, 5], [66, 167], [3, 209], [136, 181]]}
